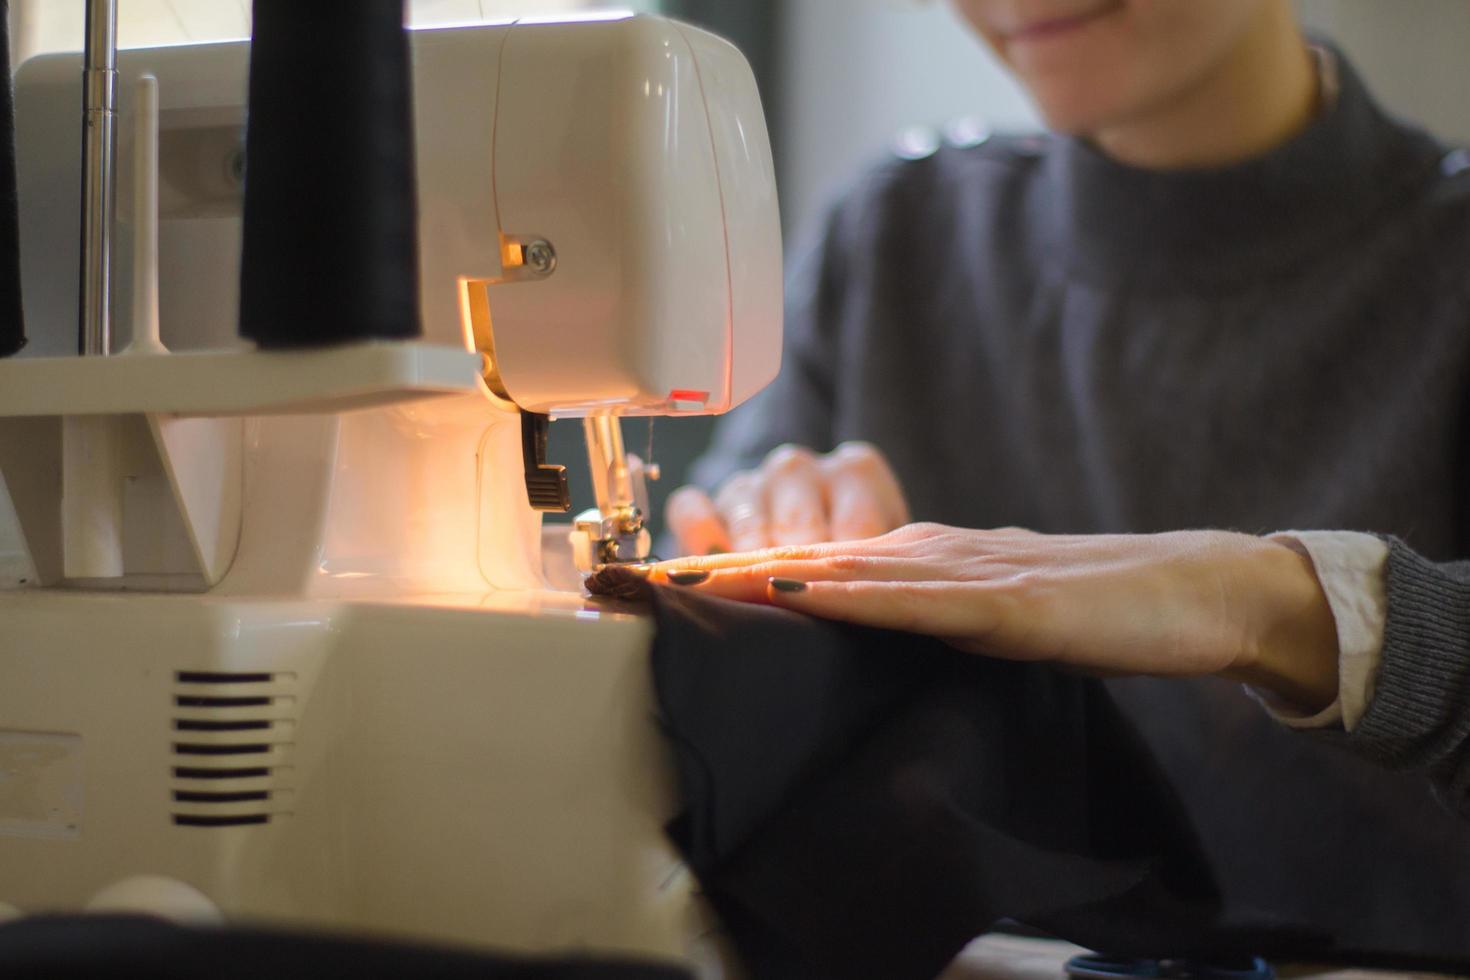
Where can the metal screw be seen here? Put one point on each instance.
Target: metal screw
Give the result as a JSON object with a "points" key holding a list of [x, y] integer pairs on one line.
{"points": [[540, 257]]}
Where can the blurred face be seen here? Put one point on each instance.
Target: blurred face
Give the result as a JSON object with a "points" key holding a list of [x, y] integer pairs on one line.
{"points": [[1091, 64]]}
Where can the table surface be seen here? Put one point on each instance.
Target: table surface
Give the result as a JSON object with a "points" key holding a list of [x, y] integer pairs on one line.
{"points": [[1001, 957]]}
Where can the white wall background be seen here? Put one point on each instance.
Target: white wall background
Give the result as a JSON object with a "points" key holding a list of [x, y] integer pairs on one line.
{"points": [[1415, 54], [856, 72]]}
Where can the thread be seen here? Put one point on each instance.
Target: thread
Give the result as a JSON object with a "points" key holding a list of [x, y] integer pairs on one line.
{"points": [[12, 318], [330, 250]]}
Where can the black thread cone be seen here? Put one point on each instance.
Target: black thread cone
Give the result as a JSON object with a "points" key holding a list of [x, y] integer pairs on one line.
{"points": [[12, 320], [330, 251]]}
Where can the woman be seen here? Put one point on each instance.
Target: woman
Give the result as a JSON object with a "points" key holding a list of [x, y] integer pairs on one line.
{"points": [[1228, 292]]}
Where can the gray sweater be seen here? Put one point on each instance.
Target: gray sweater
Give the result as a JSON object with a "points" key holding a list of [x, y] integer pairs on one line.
{"points": [[1036, 335]]}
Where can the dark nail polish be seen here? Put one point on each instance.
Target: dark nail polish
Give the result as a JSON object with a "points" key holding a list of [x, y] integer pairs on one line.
{"points": [[688, 576], [788, 585]]}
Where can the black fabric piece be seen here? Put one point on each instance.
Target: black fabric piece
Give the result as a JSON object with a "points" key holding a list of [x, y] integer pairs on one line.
{"points": [[1319, 835], [330, 250], [12, 319], [135, 948], [863, 803]]}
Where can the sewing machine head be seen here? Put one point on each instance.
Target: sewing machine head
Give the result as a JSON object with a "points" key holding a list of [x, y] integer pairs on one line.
{"points": [[622, 261], [598, 237], [606, 227]]}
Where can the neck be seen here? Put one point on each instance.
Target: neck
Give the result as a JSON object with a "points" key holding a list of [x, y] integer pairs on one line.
{"points": [[1262, 93]]}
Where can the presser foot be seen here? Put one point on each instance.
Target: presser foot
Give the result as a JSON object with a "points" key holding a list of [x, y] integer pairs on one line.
{"points": [[600, 540]]}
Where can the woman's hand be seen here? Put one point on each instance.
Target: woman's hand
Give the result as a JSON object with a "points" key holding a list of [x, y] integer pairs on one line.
{"points": [[794, 497], [1189, 602]]}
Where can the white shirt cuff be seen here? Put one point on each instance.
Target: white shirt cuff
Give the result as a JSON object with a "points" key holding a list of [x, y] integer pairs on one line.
{"points": [[1350, 567]]}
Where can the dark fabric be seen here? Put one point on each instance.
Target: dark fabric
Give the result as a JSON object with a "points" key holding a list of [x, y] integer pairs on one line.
{"points": [[1315, 834], [130, 948], [1038, 336], [863, 803], [12, 321], [330, 249]]}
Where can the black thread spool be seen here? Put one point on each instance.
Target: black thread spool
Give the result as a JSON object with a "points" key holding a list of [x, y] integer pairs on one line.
{"points": [[12, 319], [330, 250]]}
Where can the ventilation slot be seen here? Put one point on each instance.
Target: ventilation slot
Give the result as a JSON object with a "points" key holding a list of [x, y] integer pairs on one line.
{"points": [[232, 744], [183, 748], [201, 820], [204, 677], [184, 796], [182, 772], [189, 725], [185, 701]]}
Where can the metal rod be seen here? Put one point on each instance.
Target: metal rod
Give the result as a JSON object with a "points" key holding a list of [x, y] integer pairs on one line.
{"points": [[611, 486], [99, 176]]}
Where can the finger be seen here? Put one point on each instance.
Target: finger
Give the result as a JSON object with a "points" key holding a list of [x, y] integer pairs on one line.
{"points": [[947, 609], [787, 552], [742, 506], [695, 522], [795, 497], [863, 496], [912, 541], [749, 583]]}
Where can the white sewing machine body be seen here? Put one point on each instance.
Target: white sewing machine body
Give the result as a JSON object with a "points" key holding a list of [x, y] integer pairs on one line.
{"points": [[282, 647]]}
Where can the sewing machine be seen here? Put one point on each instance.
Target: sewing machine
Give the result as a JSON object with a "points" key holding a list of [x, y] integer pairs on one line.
{"points": [[276, 640]]}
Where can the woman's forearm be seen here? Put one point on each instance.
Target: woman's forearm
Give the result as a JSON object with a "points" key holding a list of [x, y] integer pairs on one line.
{"points": [[1295, 655]]}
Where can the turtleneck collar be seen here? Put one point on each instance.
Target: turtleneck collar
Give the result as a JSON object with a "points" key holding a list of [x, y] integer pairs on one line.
{"points": [[1116, 223]]}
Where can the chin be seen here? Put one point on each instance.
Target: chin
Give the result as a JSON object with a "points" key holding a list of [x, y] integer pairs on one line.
{"points": [[1077, 109]]}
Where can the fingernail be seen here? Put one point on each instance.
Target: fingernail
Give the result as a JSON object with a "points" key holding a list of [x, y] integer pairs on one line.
{"points": [[715, 549], [688, 576], [788, 585]]}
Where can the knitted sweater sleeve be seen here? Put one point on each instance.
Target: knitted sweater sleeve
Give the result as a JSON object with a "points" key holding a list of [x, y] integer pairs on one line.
{"points": [[1419, 717]]}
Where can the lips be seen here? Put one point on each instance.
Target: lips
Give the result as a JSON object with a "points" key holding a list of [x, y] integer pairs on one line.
{"points": [[1053, 26]]}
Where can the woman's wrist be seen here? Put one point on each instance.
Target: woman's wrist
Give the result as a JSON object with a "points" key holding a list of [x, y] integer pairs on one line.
{"points": [[1292, 650]]}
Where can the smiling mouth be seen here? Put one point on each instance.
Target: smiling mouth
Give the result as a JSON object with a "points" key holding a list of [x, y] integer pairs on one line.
{"points": [[1053, 27]]}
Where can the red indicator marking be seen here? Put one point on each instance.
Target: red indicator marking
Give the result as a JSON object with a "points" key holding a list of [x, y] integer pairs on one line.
{"points": [[684, 395]]}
